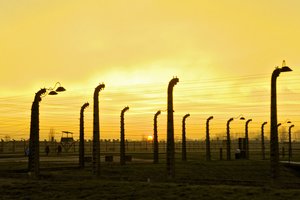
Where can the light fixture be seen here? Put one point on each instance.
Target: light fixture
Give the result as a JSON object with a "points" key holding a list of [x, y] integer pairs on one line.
{"points": [[60, 89], [52, 93]]}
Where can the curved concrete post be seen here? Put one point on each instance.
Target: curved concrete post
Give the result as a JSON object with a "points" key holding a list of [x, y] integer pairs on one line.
{"points": [[247, 138], [170, 129], [81, 136], [207, 141], [34, 145], [96, 132], [122, 137], [228, 141], [155, 139], [183, 149], [263, 141]]}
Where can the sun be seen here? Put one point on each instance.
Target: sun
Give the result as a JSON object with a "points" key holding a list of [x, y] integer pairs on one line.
{"points": [[149, 138]]}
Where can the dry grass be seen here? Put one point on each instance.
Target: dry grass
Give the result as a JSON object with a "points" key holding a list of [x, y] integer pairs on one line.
{"points": [[194, 180], [104, 189]]}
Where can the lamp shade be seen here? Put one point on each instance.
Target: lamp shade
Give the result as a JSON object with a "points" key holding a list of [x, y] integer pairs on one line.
{"points": [[52, 93], [60, 89], [285, 69]]}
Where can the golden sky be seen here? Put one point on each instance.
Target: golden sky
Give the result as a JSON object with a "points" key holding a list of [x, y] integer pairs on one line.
{"points": [[223, 53]]}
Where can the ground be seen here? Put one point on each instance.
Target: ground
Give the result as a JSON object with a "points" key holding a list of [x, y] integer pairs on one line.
{"points": [[243, 179]]}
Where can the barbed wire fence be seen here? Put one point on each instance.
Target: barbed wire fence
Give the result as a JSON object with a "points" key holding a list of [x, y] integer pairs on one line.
{"points": [[222, 98]]}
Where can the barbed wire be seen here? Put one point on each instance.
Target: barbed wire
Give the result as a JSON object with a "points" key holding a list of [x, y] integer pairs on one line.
{"points": [[219, 97]]}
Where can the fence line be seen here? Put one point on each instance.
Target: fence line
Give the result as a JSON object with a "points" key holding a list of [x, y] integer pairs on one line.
{"points": [[195, 149]]}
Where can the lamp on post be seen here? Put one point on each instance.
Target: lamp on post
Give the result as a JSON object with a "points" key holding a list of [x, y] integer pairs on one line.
{"points": [[34, 154], [274, 147]]}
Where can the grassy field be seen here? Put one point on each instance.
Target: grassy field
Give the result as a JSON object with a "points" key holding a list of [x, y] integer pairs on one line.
{"points": [[236, 179], [104, 189]]}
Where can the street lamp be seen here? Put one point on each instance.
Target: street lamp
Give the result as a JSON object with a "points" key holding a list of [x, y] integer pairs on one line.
{"points": [[34, 154], [274, 147]]}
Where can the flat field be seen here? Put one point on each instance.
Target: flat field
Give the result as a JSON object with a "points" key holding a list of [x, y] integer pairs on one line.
{"points": [[140, 179]]}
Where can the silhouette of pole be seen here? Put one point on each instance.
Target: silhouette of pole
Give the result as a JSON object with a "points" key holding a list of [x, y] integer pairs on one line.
{"points": [[290, 142], [96, 132], [122, 142], [34, 145], [274, 147], [228, 142], [247, 138], [170, 129], [208, 155], [81, 137], [263, 140], [184, 138], [155, 139]]}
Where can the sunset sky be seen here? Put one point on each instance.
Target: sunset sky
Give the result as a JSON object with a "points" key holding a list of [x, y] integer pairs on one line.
{"points": [[223, 53]]}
